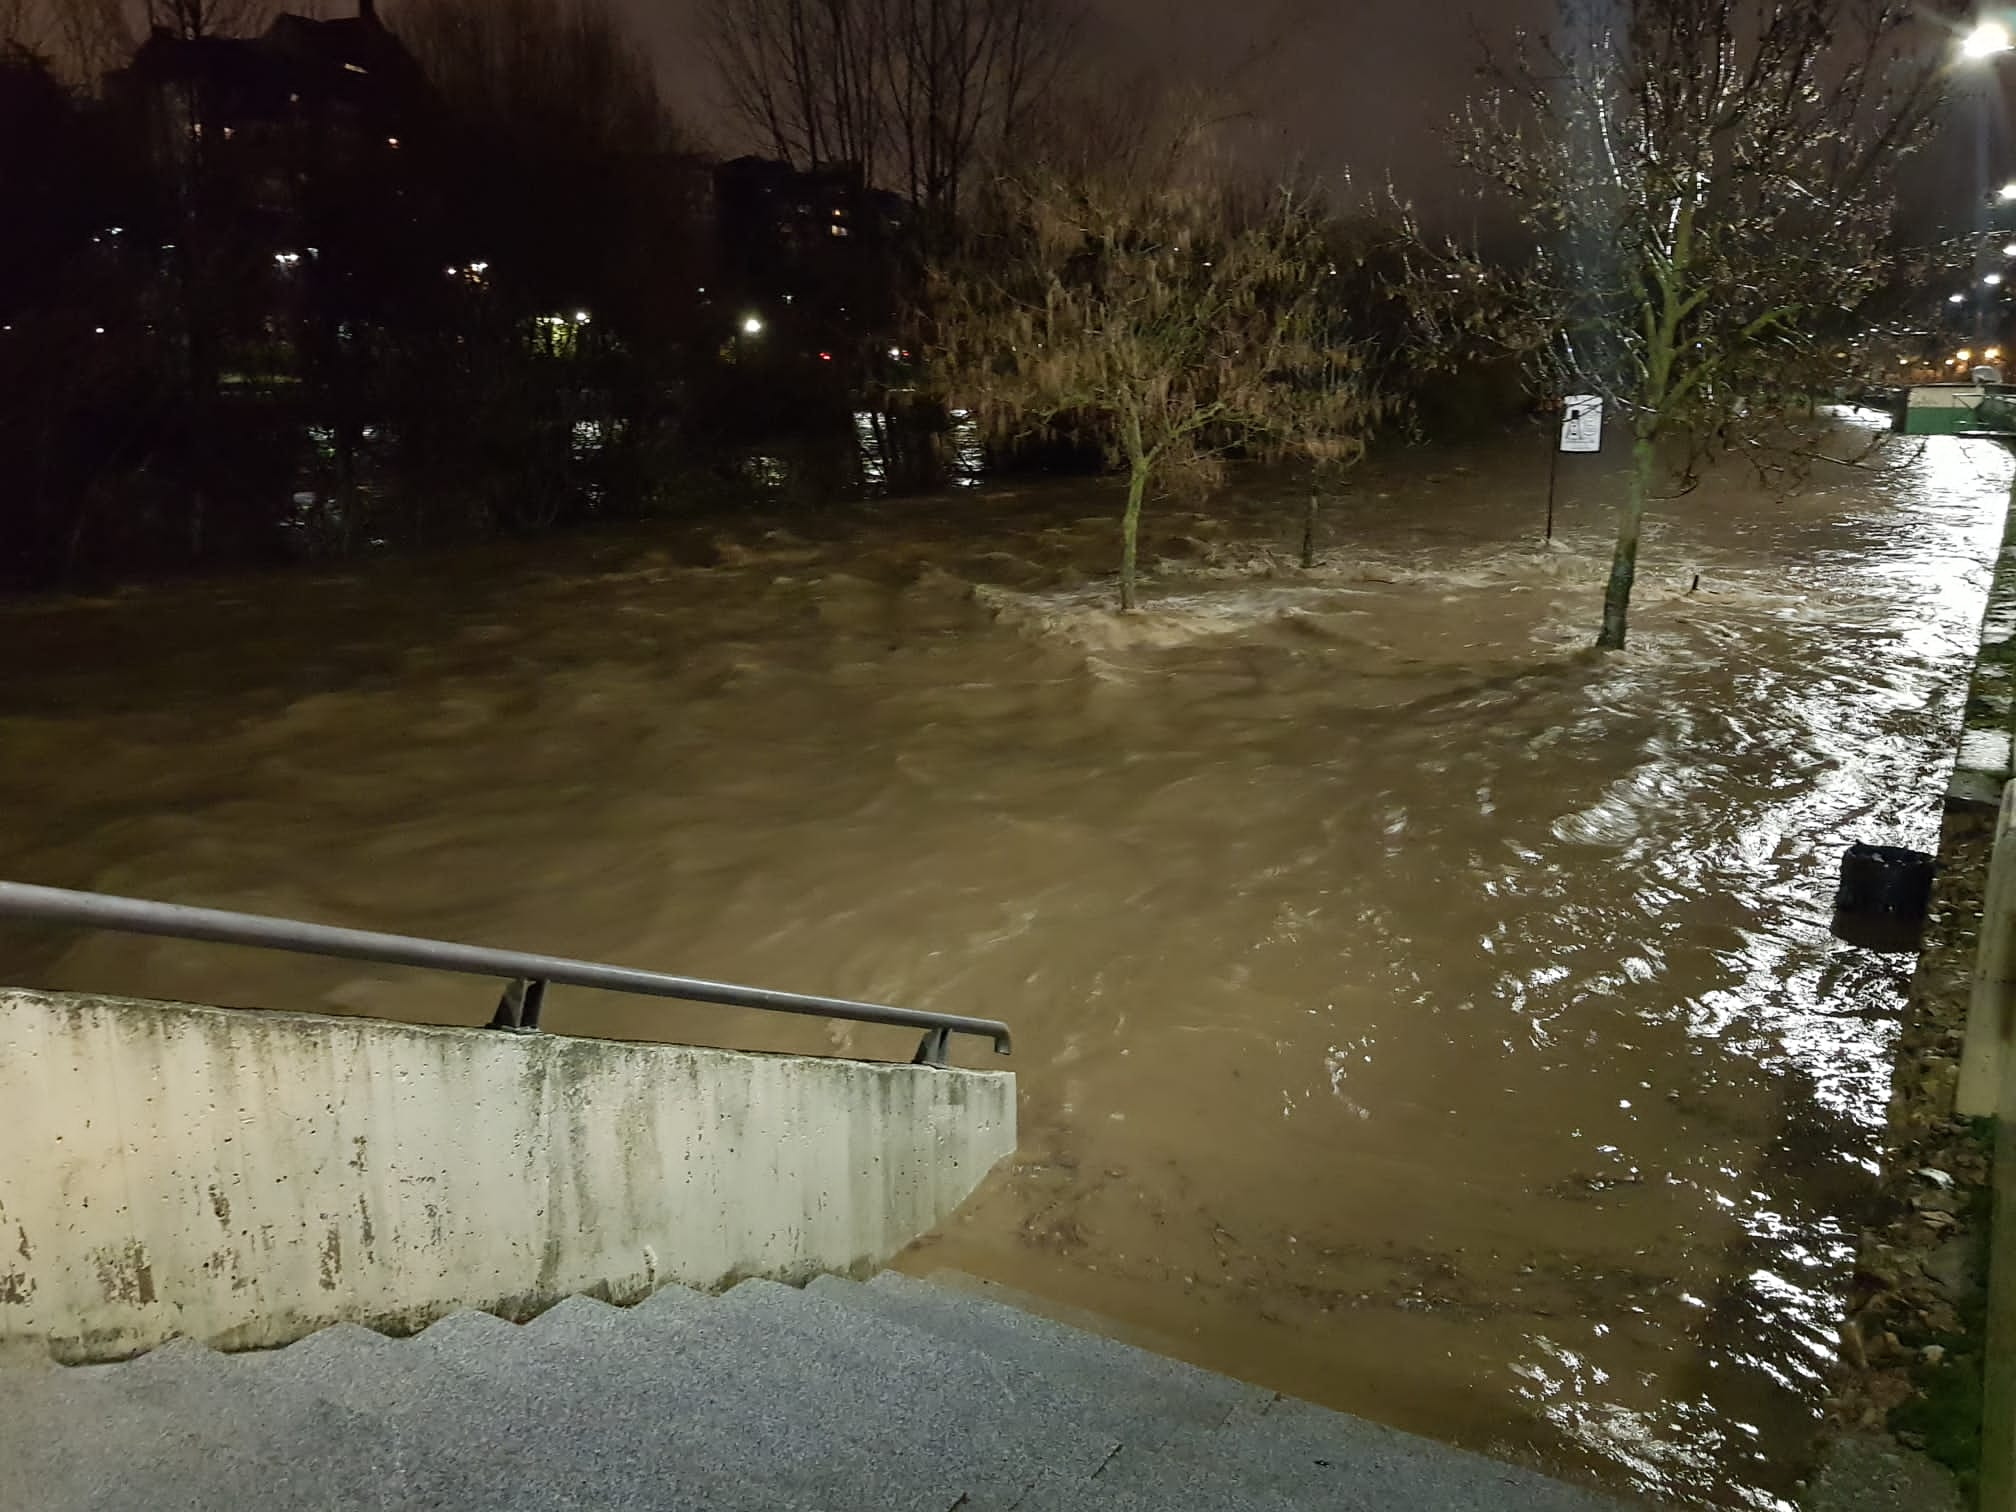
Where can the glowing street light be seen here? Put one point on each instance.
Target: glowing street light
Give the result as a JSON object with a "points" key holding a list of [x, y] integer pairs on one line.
{"points": [[1963, 355], [1992, 279], [1956, 299], [1986, 40], [752, 325], [2007, 191]]}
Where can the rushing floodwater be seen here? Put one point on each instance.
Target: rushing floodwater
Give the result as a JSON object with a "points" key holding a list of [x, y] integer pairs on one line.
{"points": [[1413, 1011]]}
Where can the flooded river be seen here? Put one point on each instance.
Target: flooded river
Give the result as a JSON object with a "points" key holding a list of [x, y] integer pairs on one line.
{"points": [[1413, 1011]]}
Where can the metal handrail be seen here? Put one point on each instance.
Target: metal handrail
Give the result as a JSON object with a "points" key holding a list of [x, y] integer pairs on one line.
{"points": [[529, 973]]}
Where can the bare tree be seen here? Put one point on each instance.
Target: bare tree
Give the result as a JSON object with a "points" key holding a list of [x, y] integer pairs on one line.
{"points": [[21, 26], [1171, 322], [92, 38], [915, 91], [190, 19], [803, 75], [565, 75], [1712, 185], [962, 77]]}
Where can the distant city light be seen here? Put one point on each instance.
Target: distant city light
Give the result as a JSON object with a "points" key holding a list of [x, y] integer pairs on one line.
{"points": [[825, 356], [98, 330], [1993, 354], [752, 325], [391, 141], [1956, 298], [1963, 355], [287, 259], [1986, 40], [580, 317], [2008, 191], [479, 267], [1992, 279], [2009, 250], [895, 351]]}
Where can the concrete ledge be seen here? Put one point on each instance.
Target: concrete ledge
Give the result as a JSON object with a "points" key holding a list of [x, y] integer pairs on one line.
{"points": [[245, 1177]]}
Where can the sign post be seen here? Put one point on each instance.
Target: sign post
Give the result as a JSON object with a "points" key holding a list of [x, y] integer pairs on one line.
{"points": [[1581, 431]]}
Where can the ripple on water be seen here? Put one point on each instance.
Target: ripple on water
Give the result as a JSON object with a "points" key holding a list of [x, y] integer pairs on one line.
{"points": [[1413, 1011]]}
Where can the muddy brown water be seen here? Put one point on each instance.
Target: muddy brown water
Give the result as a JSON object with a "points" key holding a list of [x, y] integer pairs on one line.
{"points": [[1413, 1011]]}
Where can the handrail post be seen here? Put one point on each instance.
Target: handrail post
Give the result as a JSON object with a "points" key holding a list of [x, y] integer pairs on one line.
{"points": [[518, 1009]]}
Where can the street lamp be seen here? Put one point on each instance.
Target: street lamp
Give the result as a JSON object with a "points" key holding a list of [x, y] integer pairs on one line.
{"points": [[1956, 299], [1986, 40], [752, 325], [1991, 279]]}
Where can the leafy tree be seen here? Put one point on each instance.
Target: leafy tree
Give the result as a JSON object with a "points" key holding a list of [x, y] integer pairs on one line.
{"points": [[1171, 320], [1712, 184]]}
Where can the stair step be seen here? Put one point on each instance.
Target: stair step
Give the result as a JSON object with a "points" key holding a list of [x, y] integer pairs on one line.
{"points": [[1262, 1446], [896, 1395], [1309, 1452], [1008, 1428], [607, 1411], [1154, 1482], [1142, 1385], [1121, 1419], [423, 1410], [703, 1396], [205, 1441]]}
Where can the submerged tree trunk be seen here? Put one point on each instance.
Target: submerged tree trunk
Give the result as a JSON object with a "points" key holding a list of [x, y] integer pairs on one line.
{"points": [[1130, 529], [1309, 530], [1624, 563]]}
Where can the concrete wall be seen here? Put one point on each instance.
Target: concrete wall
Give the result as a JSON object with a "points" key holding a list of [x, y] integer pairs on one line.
{"points": [[1991, 1006], [245, 1177]]}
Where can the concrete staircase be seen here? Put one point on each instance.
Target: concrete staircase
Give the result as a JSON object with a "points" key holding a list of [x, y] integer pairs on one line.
{"points": [[894, 1396]]}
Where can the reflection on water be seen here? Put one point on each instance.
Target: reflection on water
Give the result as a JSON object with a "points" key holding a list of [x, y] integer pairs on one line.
{"points": [[871, 449], [969, 451], [1413, 1011]]}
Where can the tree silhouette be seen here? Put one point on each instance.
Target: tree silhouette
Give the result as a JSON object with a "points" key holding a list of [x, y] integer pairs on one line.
{"points": [[1712, 185]]}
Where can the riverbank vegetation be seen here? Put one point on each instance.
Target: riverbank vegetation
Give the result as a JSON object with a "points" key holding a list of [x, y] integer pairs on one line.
{"points": [[279, 287], [1711, 192]]}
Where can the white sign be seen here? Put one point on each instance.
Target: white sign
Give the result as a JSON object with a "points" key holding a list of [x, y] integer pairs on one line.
{"points": [[1581, 423]]}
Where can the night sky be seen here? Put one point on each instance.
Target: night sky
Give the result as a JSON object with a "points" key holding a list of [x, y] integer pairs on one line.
{"points": [[1357, 86], [1362, 85]]}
